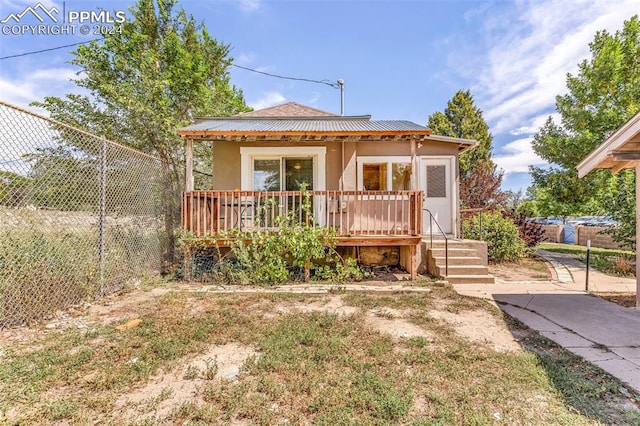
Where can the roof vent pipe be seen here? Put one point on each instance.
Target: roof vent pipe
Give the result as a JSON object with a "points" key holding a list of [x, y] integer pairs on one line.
{"points": [[341, 84]]}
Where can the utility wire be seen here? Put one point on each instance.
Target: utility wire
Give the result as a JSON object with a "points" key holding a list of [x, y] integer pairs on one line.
{"points": [[48, 50], [326, 82]]}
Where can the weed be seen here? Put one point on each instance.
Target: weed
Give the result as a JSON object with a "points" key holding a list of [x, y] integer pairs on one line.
{"points": [[192, 373], [622, 265], [212, 368]]}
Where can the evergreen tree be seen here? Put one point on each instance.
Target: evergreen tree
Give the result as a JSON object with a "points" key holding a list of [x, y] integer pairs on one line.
{"points": [[479, 178]]}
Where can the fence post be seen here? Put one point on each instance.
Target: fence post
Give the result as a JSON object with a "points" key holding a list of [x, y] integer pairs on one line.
{"points": [[102, 212]]}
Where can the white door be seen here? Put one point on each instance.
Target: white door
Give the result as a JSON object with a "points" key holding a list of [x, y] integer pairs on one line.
{"points": [[437, 182]]}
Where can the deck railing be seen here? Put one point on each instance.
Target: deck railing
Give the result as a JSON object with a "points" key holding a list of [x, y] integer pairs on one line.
{"points": [[384, 213]]}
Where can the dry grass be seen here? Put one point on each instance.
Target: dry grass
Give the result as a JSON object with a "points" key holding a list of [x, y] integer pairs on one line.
{"points": [[527, 269], [348, 358]]}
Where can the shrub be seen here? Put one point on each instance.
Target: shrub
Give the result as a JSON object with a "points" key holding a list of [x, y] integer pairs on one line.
{"points": [[501, 234], [530, 232]]}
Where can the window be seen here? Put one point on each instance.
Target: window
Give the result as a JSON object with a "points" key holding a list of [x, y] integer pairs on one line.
{"points": [[436, 181], [266, 175], [384, 173], [374, 177], [282, 168]]}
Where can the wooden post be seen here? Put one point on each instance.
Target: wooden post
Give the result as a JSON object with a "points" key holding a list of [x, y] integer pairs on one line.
{"points": [[637, 234], [414, 168], [189, 165]]}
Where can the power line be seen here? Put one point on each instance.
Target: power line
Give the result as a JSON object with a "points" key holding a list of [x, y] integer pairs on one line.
{"points": [[325, 81], [48, 50]]}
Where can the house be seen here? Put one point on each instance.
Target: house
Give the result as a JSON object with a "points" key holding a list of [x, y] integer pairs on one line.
{"points": [[620, 151], [378, 182]]}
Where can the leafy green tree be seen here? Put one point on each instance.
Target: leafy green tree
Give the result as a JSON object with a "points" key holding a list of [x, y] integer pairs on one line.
{"points": [[14, 188], [63, 178], [145, 81], [462, 119], [621, 199], [602, 96]]}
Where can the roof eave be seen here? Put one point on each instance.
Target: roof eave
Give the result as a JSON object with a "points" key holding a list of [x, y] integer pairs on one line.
{"points": [[603, 153], [203, 134]]}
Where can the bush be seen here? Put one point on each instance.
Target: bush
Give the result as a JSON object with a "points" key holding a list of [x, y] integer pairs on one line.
{"points": [[530, 232], [501, 234]]}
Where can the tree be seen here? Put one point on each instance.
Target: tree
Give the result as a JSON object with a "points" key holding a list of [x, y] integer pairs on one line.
{"points": [[602, 96], [621, 202], [462, 119], [14, 189], [481, 187], [145, 81]]}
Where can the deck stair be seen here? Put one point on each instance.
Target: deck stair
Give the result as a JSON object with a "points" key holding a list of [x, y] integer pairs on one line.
{"points": [[467, 265]]}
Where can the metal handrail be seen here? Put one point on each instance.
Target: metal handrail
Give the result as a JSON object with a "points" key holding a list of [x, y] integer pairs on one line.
{"points": [[446, 240]]}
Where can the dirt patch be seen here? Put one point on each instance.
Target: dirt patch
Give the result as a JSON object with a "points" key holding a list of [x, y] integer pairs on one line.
{"points": [[528, 269], [124, 307], [481, 327], [164, 392], [331, 305], [391, 321]]}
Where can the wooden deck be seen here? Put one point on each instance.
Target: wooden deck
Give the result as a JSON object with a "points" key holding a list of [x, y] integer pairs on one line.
{"points": [[360, 218]]}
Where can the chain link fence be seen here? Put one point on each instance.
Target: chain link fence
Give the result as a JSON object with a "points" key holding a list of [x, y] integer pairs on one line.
{"points": [[79, 216]]}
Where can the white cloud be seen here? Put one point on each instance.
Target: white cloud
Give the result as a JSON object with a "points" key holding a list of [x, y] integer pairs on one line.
{"points": [[244, 58], [250, 5], [35, 85], [530, 51], [54, 74], [268, 99], [517, 156], [534, 124]]}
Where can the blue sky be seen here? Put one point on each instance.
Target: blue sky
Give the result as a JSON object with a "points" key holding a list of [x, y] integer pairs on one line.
{"points": [[399, 59]]}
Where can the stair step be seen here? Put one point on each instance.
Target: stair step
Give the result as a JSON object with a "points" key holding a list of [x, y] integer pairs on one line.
{"points": [[453, 252], [470, 279], [472, 270], [458, 260]]}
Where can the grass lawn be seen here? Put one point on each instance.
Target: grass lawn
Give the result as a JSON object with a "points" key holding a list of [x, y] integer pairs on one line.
{"points": [[608, 261], [269, 358]]}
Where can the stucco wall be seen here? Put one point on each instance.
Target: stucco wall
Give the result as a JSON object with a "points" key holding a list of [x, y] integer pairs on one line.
{"points": [[226, 158]]}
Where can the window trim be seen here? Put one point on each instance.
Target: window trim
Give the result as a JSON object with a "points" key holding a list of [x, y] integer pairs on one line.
{"points": [[249, 153]]}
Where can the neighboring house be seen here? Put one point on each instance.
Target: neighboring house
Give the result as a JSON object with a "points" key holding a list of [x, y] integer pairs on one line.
{"points": [[620, 151], [375, 181]]}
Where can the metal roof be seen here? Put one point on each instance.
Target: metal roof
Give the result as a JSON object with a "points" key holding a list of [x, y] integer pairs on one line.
{"points": [[288, 124]]}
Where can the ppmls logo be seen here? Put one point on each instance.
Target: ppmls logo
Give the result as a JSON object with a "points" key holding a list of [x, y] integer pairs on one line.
{"points": [[51, 14], [52, 21]]}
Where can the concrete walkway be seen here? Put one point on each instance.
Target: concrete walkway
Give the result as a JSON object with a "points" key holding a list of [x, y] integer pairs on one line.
{"points": [[603, 333]]}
